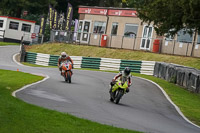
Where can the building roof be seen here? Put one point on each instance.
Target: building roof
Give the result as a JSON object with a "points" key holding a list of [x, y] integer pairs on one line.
{"points": [[113, 8], [18, 19], [107, 11]]}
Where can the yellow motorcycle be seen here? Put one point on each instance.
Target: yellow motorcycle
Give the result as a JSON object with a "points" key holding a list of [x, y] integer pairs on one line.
{"points": [[118, 90]]}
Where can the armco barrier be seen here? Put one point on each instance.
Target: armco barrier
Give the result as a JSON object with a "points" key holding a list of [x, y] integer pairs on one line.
{"points": [[134, 65], [31, 57], [143, 67], [89, 62]]}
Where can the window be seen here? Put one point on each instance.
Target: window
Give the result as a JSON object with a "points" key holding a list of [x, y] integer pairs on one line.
{"points": [[13, 25], [99, 27], [1, 23], [26, 27], [114, 28], [184, 36], [130, 30]]}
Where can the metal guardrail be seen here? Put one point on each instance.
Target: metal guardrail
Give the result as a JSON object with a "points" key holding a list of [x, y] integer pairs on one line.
{"points": [[143, 67]]}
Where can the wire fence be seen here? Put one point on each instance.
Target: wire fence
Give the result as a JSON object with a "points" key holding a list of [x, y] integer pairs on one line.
{"points": [[173, 47]]}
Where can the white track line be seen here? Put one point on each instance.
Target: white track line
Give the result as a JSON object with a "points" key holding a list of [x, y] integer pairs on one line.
{"points": [[14, 56], [168, 98], [46, 77], [26, 86]]}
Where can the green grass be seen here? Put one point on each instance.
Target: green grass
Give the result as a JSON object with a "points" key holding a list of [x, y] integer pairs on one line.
{"points": [[34, 65], [92, 51], [7, 43], [17, 116]]}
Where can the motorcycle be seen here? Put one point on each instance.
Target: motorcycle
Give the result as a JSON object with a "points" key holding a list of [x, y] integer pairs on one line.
{"points": [[67, 71], [121, 89]]}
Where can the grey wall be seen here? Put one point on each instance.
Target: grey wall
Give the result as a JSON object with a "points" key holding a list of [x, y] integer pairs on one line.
{"points": [[184, 76]]}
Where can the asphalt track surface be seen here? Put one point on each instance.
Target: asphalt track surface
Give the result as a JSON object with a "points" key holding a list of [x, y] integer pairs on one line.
{"points": [[144, 108]]}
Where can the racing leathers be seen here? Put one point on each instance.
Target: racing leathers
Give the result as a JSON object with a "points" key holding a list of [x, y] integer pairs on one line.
{"points": [[61, 60], [123, 78]]}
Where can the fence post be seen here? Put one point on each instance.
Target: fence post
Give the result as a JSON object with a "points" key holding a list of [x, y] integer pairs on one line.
{"points": [[42, 38], [22, 50], [99, 40], [122, 41], [110, 40], [173, 48], [187, 49], [89, 38], [134, 43], [160, 48]]}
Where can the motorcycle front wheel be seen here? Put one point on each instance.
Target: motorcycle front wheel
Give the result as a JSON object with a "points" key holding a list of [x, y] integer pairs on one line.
{"points": [[69, 76], [119, 95]]}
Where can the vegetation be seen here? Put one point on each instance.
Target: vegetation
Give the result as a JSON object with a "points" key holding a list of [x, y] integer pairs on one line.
{"points": [[7, 43], [92, 51], [19, 117], [169, 16]]}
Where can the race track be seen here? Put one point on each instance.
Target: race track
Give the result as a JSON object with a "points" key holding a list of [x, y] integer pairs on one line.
{"points": [[144, 108]]}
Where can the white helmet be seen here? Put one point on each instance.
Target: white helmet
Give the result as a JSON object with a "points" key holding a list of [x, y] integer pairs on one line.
{"points": [[63, 55]]}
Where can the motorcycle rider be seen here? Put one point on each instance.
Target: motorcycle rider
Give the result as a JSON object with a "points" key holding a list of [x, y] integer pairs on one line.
{"points": [[124, 76], [64, 57]]}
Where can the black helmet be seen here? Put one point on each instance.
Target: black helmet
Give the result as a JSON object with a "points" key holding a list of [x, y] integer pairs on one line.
{"points": [[127, 71]]}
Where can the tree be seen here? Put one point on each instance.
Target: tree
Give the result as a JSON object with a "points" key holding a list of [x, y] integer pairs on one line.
{"points": [[15, 8], [169, 16], [112, 3]]}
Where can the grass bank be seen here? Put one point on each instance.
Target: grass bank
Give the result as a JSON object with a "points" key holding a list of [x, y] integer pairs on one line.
{"points": [[7, 43], [92, 51], [17, 116]]}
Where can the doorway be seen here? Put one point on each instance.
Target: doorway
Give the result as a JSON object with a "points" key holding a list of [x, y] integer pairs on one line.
{"points": [[146, 37]]}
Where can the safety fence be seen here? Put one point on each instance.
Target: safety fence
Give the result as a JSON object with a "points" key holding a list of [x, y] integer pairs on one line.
{"points": [[131, 42], [143, 67]]}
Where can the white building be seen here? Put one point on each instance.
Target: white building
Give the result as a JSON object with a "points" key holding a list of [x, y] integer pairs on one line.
{"points": [[12, 29]]}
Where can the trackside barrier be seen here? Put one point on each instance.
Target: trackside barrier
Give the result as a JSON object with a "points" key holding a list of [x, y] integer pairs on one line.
{"points": [[110, 64], [143, 67]]}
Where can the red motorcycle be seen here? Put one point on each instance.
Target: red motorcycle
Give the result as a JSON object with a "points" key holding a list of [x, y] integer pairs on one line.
{"points": [[67, 71]]}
